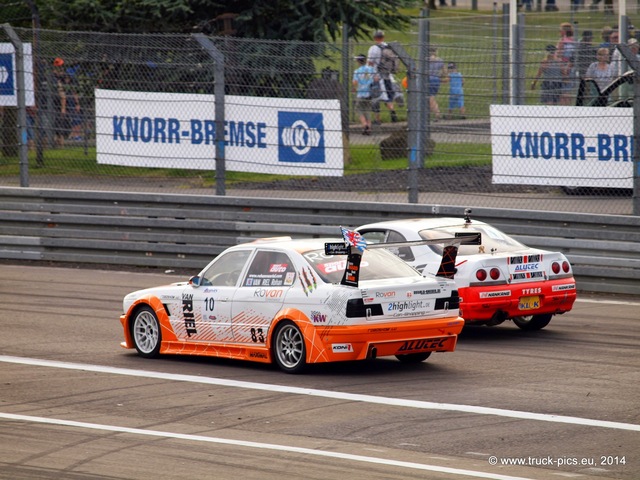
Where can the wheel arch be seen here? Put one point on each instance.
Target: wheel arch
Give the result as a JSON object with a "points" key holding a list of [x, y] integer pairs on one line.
{"points": [[159, 309], [313, 339]]}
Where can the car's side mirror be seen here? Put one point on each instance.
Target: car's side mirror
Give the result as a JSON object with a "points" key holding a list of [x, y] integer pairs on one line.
{"points": [[195, 281]]}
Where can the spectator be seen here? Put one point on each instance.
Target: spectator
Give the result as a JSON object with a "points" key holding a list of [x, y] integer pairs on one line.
{"points": [[375, 57], [606, 37], [601, 71], [614, 39], [72, 107], [362, 80], [456, 92], [617, 60], [551, 6], [585, 53], [565, 50], [550, 72], [59, 101], [436, 74]]}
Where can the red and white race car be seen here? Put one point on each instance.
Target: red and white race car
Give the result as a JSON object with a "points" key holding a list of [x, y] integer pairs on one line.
{"points": [[498, 277], [298, 302]]}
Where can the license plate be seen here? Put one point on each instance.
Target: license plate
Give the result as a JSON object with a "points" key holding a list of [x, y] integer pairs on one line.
{"points": [[529, 303]]}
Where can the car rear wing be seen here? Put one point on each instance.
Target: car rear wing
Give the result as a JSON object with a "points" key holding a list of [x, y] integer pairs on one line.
{"points": [[354, 246]]}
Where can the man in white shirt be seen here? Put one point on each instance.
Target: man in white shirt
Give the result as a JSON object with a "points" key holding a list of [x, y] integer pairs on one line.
{"points": [[374, 55]]}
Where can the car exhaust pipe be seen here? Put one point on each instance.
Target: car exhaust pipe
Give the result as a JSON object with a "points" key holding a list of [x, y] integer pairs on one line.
{"points": [[372, 353]]}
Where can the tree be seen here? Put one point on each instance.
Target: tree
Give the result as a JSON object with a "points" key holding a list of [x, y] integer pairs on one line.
{"points": [[306, 20]]}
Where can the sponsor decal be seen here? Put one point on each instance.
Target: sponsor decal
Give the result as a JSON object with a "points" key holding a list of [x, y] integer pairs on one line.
{"points": [[7, 86], [257, 355], [368, 300], [341, 348], [289, 278], [301, 137], [188, 314], [423, 344], [308, 280], [522, 276], [318, 317], [531, 291], [501, 293], [268, 293], [561, 288], [408, 305], [536, 258], [278, 268], [527, 267], [385, 294], [427, 292]]}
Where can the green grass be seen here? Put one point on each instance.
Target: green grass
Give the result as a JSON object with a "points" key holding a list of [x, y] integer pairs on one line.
{"points": [[72, 162]]}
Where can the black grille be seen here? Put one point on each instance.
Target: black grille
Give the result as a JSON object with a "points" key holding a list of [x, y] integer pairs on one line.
{"points": [[357, 308], [453, 302]]}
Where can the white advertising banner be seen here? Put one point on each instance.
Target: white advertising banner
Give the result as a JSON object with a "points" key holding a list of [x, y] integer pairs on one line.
{"points": [[563, 146], [8, 78], [178, 130]]}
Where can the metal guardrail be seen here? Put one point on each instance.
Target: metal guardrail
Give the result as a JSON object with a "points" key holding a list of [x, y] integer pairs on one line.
{"points": [[187, 231]]}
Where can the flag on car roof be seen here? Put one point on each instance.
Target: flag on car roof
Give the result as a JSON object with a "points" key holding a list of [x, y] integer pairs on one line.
{"points": [[354, 239]]}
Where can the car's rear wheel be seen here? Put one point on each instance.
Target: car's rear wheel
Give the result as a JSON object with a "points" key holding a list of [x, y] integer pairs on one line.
{"points": [[289, 350], [145, 331], [533, 322], [413, 357]]}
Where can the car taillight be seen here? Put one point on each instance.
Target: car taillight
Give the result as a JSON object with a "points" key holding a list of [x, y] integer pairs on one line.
{"points": [[494, 273], [566, 267], [481, 275], [555, 267]]}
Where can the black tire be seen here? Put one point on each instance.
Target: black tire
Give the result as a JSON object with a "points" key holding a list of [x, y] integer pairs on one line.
{"points": [[146, 332], [533, 322], [413, 357], [289, 349]]}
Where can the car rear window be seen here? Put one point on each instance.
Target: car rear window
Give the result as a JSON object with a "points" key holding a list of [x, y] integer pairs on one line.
{"points": [[493, 240], [376, 265]]}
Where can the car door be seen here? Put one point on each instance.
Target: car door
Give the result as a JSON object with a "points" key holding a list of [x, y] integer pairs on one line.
{"points": [[207, 307], [261, 295]]}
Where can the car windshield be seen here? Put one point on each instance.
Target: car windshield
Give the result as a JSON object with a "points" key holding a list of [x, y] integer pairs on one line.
{"points": [[493, 240], [375, 265]]}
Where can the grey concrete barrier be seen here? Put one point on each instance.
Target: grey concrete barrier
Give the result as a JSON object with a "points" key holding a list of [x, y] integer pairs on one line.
{"points": [[187, 231]]}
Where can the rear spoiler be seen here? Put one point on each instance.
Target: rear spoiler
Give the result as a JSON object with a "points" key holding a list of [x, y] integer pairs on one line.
{"points": [[354, 246]]}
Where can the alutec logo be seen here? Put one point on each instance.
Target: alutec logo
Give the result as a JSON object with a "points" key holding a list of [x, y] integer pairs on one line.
{"points": [[300, 137]]}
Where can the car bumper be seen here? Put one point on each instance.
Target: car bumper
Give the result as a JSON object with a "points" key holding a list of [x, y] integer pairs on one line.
{"points": [[517, 300], [358, 342]]}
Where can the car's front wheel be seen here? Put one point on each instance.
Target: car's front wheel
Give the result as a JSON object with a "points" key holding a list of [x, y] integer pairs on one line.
{"points": [[413, 357], [288, 347], [533, 322], [145, 331]]}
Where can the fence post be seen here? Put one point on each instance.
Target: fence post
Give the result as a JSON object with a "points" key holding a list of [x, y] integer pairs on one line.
{"points": [[23, 147], [346, 77], [218, 91], [506, 54], [634, 63], [414, 135]]}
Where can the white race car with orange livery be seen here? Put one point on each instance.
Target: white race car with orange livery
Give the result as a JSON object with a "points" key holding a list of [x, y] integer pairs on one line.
{"points": [[300, 302], [498, 277]]}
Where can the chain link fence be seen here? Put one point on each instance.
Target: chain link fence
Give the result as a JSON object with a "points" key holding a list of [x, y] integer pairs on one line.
{"points": [[138, 113]]}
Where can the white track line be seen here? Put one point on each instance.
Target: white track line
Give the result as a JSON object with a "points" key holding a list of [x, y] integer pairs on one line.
{"points": [[265, 446], [354, 397]]}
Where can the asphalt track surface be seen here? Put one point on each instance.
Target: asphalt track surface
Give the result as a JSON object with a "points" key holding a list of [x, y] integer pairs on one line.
{"points": [[562, 402]]}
